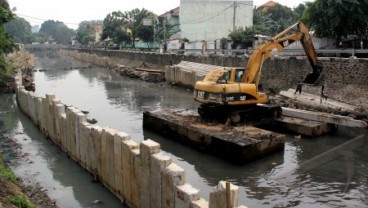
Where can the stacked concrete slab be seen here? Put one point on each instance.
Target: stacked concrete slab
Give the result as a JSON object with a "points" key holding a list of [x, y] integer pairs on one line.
{"points": [[138, 174], [187, 73]]}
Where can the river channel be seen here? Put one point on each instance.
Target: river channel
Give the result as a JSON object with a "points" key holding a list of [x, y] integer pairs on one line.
{"points": [[330, 171]]}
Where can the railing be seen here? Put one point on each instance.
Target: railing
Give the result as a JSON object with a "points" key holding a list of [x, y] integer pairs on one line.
{"points": [[350, 52]]}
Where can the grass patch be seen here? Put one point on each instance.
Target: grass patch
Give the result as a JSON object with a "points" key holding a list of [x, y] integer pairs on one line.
{"points": [[21, 202], [6, 172]]}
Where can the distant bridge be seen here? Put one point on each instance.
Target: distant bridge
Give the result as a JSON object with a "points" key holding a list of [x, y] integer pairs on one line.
{"points": [[42, 47]]}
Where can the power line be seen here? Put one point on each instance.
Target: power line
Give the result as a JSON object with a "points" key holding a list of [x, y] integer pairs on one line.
{"points": [[39, 19]]}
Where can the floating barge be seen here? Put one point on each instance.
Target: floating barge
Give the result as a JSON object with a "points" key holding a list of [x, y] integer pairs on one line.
{"points": [[238, 144]]}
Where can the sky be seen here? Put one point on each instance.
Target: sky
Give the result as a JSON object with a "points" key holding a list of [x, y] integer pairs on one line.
{"points": [[72, 12]]}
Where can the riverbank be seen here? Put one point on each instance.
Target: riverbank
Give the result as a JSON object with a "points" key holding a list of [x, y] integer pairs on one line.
{"points": [[13, 193]]}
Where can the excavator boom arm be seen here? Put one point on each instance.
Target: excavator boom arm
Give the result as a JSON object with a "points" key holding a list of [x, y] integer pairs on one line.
{"points": [[278, 43]]}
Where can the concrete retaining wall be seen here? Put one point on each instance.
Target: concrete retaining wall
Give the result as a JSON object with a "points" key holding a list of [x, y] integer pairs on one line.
{"points": [[287, 69], [138, 174]]}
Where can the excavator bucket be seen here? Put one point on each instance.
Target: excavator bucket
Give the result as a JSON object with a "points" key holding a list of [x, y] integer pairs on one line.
{"points": [[313, 78]]}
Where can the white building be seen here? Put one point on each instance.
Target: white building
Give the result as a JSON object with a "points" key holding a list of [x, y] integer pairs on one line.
{"points": [[211, 20]]}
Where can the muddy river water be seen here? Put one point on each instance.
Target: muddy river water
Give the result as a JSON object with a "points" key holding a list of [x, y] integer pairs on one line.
{"points": [[330, 171]]}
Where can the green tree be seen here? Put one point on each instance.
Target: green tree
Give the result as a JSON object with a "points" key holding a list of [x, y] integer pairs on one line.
{"points": [[20, 30], [244, 36], [299, 10], [57, 31], [134, 21], [263, 21], [282, 16], [86, 31], [337, 19], [127, 26], [114, 28], [6, 43]]}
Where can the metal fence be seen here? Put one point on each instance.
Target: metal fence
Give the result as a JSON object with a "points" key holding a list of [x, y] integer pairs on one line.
{"points": [[332, 52]]}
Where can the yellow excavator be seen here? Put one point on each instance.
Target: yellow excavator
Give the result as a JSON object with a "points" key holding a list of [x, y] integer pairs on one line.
{"points": [[233, 93]]}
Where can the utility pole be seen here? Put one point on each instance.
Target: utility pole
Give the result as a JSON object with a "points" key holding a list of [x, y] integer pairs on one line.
{"points": [[235, 5], [164, 34]]}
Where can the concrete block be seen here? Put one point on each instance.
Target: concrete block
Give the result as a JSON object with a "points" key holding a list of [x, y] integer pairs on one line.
{"points": [[107, 155], [172, 176], [200, 203], [304, 127], [136, 179], [218, 198], [118, 139], [127, 148], [147, 149], [185, 195], [158, 164]]}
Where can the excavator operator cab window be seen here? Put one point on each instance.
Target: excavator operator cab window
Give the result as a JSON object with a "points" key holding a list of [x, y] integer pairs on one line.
{"points": [[239, 74], [225, 77]]}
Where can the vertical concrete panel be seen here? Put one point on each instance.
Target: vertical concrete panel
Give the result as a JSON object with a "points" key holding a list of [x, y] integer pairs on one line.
{"points": [[118, 139], [185, 195], [158, 164], [218, 196], [89, 150], [73, 138], [83, 144], [23, 101], [172, 176], [40, 112], [96, 132], [45, 117], [136, 177], [63, 132], [31, 104], [59, 111], [147, 149], [55, 113], [79, 134], [49, 114], [110, 160], [127, 148], [69, 129], [32, 107]]}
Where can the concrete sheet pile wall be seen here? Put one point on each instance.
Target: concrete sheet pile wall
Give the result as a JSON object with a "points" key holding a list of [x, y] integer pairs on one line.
{"points": [[138, 174], [187, 73], [288, 69]]}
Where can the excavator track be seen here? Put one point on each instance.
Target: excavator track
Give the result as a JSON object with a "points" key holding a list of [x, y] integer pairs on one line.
{"points": [[239, 114]]}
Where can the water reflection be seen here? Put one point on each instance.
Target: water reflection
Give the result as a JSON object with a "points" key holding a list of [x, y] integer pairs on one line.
{"points": [[279, 180]]}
